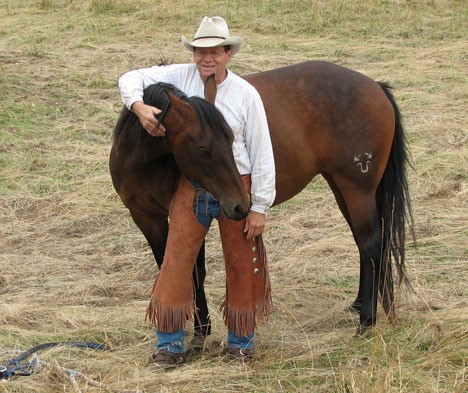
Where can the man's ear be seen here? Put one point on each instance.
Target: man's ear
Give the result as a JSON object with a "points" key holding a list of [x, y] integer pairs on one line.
{"points": [[211, 89]]}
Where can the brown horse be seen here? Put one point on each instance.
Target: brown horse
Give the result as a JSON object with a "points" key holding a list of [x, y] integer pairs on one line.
{"points": [[323, 119], [145, 170]]}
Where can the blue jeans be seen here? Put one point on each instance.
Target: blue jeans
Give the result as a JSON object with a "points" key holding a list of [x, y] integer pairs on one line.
{"points": [[174, 342], [206, 207]]}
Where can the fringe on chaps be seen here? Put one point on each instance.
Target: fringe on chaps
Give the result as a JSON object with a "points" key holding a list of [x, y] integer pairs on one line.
{"points": [[248, 292]]}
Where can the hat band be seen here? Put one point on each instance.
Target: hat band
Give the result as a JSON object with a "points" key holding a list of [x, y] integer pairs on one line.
{"points": [[209, 36]]}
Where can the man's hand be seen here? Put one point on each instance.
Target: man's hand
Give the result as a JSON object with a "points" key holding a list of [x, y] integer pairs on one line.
{"points": [[254, 224], [147, 116]]}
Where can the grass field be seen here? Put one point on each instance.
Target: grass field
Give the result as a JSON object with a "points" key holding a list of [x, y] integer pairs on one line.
{"points": [[73, 266]]}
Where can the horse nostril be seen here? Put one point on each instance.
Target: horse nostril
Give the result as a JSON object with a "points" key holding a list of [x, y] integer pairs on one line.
{"points": [[240, 212]]}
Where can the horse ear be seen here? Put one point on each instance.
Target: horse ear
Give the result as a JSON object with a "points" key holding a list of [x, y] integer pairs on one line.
{"points": [[180, 105], [211, 89], [173, 98]]}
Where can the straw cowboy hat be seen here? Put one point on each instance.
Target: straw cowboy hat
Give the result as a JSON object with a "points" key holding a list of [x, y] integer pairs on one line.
{"points": [[213, 32]]}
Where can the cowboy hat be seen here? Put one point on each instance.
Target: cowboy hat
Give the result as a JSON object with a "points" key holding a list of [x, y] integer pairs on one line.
{"points": [[213, 32]]}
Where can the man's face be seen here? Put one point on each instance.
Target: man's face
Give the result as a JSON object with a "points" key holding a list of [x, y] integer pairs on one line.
{"points": [[212, 61]]}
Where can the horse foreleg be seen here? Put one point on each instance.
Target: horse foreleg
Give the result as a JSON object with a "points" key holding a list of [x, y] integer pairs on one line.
{"points": [[155, 229], [202, 320]]}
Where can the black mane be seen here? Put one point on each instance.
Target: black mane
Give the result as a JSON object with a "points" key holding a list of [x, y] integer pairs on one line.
{"points": [[210, 116], [155, 95]]}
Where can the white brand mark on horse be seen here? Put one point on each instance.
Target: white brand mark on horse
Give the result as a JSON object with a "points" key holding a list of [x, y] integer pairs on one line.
{"points": [[364, 166]]}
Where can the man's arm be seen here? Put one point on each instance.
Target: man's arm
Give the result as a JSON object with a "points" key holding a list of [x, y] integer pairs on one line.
{"points": [[147, 116], [131, 86], [263, 167]]}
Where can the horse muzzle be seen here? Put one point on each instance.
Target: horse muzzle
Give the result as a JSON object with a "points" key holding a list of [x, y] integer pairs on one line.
{"points": [[235, 210]]}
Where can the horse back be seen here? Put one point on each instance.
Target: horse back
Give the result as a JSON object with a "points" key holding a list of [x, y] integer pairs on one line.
{"points": [[321, 117]]}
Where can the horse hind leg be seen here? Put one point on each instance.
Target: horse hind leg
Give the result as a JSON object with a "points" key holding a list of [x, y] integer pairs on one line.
{"points": [[375, 259], [366, 229], [356, 305], [360, 210]]}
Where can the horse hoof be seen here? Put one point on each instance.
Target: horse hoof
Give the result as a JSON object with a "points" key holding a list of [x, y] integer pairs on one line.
{"points": [[363, 330], [354, 308], [195, 347]]}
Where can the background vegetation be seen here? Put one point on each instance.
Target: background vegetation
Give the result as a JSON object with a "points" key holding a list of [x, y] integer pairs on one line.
{"points": [[73, 266]]}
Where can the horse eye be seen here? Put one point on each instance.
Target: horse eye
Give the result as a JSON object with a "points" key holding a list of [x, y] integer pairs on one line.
{"points": [[202, 149]]}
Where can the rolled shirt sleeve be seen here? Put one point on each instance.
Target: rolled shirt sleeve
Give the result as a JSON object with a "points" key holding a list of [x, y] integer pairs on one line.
{"points": [[132, 83], [258, 143]]}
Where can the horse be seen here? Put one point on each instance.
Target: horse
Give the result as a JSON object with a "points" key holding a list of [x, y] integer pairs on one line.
{"points": [[324, 119]]}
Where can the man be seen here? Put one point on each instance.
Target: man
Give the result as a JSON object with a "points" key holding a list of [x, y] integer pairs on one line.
{"points": [[248, 296]]}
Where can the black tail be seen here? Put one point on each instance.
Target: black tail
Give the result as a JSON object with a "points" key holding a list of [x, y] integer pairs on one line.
{"points": [[394, 206]]}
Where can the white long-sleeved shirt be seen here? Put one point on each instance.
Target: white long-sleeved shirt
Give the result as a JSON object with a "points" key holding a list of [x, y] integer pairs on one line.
{"points": [[241, 106]]}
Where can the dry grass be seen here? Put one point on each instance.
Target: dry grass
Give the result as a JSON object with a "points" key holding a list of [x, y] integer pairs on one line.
{"points": [[75, 267]]}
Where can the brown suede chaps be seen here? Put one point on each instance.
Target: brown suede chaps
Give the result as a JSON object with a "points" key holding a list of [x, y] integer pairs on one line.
{"points": [[248, 292]]}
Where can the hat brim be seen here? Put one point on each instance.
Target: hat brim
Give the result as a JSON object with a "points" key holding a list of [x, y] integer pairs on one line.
{"points": [[235, 42]]}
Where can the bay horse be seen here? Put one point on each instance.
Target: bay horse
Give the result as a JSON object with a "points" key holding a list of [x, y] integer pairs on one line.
{"points": [[145, 170], [323, 119]]}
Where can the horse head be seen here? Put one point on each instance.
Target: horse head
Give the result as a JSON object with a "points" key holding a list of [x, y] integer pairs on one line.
{"points": [[201, 142]]}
